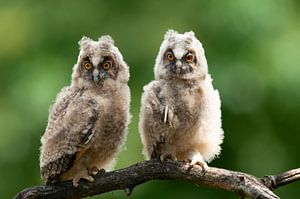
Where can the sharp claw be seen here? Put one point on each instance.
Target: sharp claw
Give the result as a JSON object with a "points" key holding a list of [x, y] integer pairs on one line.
{"points": [[77, 179], [76, 182], [197, 159], [101, 171], [89, 178], [203, 165], [93, 171]]}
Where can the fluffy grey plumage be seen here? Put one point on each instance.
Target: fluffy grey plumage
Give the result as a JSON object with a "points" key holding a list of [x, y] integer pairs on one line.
{"points": [[87, 124], [180, 114]]}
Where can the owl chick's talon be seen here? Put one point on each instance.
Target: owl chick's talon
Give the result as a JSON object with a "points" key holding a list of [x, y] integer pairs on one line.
{"points": [[78, 177], [201, 164], [93, 171], [167, 156], [102, 171], [197, 159]]}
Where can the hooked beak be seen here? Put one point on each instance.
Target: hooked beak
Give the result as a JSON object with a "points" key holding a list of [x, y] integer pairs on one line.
{"points": [[96, 76], [177, 67]]}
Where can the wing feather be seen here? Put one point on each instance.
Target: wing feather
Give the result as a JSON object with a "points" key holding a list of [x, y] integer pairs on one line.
{"points": [[69, 132]]}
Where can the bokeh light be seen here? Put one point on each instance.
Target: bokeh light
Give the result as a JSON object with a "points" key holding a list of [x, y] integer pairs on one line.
{"points": [[252, 47]]}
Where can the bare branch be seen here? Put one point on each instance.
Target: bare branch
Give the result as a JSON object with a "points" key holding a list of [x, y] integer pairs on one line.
{"points": [[241, 183], [273, 182]]}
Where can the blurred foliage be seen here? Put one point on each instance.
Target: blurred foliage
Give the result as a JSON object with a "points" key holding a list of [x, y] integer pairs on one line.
{"points": [[252, 47]]}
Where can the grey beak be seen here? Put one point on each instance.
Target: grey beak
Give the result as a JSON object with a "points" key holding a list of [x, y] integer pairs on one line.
{"points": [[178, 63], [177, 66], [96, 76]]}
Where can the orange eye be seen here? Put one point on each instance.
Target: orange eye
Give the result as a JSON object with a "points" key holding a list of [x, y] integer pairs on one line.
{"points": [[106, 65], [170, 56], [189, 58], [87, 65]]}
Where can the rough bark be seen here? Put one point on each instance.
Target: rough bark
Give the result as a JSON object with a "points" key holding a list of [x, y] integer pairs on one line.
{"points": [[241, 183]]}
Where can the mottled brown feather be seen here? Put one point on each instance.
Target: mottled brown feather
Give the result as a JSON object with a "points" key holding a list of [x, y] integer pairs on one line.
{"points": [[51, 171], [54, 169]]}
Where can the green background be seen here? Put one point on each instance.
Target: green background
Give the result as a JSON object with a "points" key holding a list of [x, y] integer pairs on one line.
{"points": [[252, 48]]}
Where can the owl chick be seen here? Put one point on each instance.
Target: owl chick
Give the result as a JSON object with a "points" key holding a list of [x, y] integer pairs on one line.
{"points": [[87, 124], [180, 116]]}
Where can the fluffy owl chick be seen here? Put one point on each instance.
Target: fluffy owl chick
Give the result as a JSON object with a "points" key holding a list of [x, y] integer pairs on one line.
{"points": [[87, 124], [180, 116]]}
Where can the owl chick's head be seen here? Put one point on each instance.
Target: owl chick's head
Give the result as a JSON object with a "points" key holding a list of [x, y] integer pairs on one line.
{"points": [[180, 56], [98, 62]]}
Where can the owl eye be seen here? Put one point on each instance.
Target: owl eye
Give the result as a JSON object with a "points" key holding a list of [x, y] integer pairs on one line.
{"points": [[189, 58], [106, 65], [170, 56], [87, 65]]}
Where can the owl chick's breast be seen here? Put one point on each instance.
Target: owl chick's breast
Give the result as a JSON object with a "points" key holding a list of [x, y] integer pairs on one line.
{"points": [[185, 102], [111, 130]]}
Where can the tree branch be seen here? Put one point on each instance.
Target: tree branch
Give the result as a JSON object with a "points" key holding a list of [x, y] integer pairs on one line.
{"points": [[241, 183]]}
